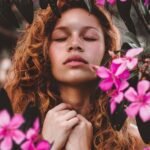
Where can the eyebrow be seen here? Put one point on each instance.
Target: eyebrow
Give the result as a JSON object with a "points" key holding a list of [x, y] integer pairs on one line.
{"points": [[66, 28]]}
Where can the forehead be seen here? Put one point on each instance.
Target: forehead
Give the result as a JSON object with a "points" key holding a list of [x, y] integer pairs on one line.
{"points": [[77, 18]]}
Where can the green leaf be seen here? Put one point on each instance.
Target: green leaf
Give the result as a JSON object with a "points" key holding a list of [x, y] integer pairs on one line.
{"points": [[89, 5], [131, 40]]}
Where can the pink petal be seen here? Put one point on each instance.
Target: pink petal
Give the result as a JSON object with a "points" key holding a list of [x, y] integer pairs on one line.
{"points": [[148, 98], [145, 113], [31, 133], [117, 83], [28, 145], [121, 69], [131, 95], [146, 2], [118, 61], [6, 144], [143, 87], [1, 133], [134, 52], [106, 84], [100, 2], [131, 64], [25, 145], [112, 2], [4, 118], [114, 68], [103, 72], [125, 75], [118, 98], [123, 85], [36, 124], [18, 136], [112, 106], [16, 121], [43, 145], [132, 109]]}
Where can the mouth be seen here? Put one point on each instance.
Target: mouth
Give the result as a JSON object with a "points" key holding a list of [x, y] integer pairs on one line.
{"points": [[75, 61]]}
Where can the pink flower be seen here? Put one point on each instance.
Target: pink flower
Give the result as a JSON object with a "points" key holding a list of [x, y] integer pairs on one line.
{"points": [[112, 2], [100, 2], [140, 101], [117, 96], [111, 78], [9, 130], [33, 142], [146, 2], [128, 61]]}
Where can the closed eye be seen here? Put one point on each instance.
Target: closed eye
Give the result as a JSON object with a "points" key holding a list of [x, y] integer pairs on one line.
{"points": [[89, 39], [60, 39]]}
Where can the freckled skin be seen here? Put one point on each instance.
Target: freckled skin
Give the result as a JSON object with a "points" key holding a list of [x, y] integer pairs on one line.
{"points": [[76, 34]]}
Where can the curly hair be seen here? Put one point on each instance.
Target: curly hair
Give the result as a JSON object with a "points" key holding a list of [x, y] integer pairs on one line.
{"points": [[31, 80]]}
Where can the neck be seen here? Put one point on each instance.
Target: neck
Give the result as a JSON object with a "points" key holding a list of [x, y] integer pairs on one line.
{"points": [[77, 96]]}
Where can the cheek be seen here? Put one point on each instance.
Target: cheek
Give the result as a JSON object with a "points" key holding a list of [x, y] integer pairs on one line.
{"points": [[96, 53], [54, 54], [54, 57], [54, 60]]}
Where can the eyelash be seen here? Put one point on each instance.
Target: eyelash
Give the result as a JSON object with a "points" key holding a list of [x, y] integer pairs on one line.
{"points": [[60, 39], [85, 38], [89, 39]]}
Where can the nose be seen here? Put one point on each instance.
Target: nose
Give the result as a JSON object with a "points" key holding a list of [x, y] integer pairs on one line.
{"points": [[75, 44]]}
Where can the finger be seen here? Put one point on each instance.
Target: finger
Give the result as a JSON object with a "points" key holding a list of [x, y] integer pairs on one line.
{"points": [[63, 112], [81, 118], [62, 106], [69, 115], [72, 122]]}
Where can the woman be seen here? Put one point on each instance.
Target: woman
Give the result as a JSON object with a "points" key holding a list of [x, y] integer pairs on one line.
{"points": [[51, 67]]}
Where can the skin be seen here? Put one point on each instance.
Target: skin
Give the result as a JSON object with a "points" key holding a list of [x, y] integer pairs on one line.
{"points": [[80, 35], [76, 34]]}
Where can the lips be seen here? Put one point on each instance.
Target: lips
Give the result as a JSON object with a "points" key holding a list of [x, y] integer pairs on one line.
{"points": [[75, 59]]}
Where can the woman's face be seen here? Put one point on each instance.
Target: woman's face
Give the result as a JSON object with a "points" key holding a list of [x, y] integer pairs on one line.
{"points": [[77, 41]]}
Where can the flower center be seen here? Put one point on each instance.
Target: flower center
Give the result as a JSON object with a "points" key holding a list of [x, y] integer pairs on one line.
{"points": [[142, 98], [6, 131]]}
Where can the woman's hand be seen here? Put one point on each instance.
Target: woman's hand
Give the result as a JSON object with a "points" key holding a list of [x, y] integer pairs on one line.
{"points": [[81, 136], [58, 125]]}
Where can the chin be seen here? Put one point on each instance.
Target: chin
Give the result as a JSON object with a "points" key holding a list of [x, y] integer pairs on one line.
{"points": [[78, 80], [75, 76]]}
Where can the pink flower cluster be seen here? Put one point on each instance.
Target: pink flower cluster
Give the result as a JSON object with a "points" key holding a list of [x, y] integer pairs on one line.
{"points": [[112, 2], [115, 83], [10, 132]]}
